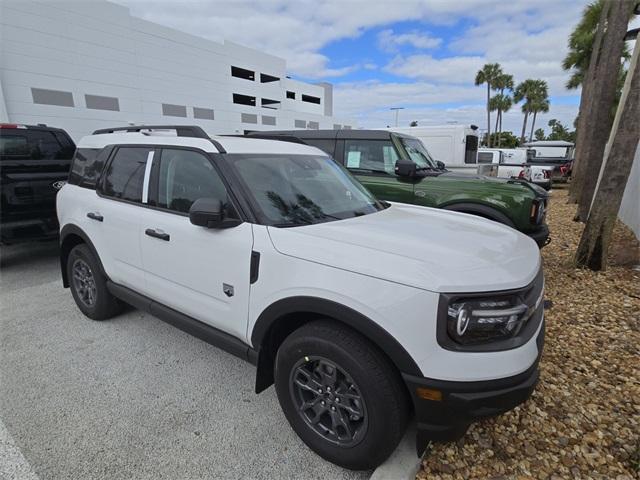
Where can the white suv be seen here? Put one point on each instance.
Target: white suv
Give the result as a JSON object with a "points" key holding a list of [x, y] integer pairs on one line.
{"points": [[361, 312]]}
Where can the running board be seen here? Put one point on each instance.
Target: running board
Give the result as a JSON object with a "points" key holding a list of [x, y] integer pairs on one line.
{"points": [[188, 324]]}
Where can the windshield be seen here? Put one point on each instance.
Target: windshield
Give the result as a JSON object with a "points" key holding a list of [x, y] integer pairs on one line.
{"points": [[418, 153], [302, 189]]}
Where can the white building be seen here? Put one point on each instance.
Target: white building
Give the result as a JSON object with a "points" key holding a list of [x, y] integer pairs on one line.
{"points": [[83, 65]]}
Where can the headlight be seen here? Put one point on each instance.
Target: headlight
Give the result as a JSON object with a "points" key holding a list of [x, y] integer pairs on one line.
{"points": [[481, 320]]}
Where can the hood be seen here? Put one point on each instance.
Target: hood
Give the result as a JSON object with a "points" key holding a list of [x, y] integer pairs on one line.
{"points": [[504, 184], [426, 248]]}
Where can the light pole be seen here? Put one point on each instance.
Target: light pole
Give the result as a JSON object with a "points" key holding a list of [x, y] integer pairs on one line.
{"points": [[397, 109]]}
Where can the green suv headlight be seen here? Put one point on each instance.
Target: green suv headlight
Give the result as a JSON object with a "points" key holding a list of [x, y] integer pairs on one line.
{"points": [[538, 211], [481, 320]]}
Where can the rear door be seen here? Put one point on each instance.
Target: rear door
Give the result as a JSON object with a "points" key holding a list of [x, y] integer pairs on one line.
{"points": [[116, 214], [202, 272]]}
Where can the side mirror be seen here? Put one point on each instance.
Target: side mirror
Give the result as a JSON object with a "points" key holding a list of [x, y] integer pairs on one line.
{"points": [[405, 168], [441, 165], [207, 212]]}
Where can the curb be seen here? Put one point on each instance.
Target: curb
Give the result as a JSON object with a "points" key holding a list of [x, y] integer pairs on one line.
{"points": [[403, 464]]}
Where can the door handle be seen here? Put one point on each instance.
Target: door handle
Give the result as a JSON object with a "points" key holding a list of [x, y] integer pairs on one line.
{"points": [[95, 216], [157, 234]]}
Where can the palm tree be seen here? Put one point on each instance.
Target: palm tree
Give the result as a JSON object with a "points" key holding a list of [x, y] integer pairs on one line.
{"points": [[540, 103], [533, 92], [489, 73], [500, 103], [503, 102], [581, 44]]}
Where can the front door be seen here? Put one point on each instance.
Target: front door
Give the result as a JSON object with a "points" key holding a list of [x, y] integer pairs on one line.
{"points": [[199, 271], [373, 163]]}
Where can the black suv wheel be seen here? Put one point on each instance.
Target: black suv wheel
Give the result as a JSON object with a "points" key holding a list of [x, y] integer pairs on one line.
{"points": [[89, 285], [341, 395]]}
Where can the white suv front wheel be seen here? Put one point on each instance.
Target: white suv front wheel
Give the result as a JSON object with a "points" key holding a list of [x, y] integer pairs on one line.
{"points": [[341, 395]]}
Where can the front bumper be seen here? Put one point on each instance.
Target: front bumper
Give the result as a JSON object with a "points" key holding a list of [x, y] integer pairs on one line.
{"points": [[462, 403], [541, 235]]}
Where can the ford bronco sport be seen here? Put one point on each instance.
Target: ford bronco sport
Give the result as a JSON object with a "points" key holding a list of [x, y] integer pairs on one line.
{"points": [[361, 312]]}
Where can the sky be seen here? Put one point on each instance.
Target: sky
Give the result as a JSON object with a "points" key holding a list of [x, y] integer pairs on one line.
{"points": [[421, 55]]}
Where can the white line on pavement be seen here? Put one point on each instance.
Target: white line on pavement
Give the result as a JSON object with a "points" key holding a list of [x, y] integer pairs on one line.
{"points": [[13, 465]]}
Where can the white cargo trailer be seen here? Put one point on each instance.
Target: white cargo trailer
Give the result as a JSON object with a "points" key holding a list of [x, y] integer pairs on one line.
{"points": [[455, 145]]}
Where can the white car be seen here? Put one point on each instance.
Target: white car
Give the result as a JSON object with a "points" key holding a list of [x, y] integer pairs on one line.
{"points": [[512, 163], [361, 312]]}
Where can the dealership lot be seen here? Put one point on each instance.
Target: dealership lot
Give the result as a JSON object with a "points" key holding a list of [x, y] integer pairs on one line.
{"points": [[132, 397]]}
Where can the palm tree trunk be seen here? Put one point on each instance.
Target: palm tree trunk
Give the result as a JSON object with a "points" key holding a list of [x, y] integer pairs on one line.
{"points": [[500, 130], [495, 128], [584, 126], [533, 124], [603, 93], [488, 115], [524, 127], [594, 243]]}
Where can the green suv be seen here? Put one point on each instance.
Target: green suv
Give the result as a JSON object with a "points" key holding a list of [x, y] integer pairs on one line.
{"points": [[398, 168]]}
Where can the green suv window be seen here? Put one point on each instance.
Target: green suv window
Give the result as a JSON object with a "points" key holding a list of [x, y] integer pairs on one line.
{"points": [[378, 156]]}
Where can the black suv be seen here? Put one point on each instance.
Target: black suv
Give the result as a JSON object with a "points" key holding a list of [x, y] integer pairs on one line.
{"points": [[34, 165]]}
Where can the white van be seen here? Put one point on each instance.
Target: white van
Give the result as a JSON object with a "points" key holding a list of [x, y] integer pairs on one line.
{"points": [[454, 145]]}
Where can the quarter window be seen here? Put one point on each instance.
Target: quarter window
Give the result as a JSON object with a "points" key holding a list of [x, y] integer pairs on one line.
{"points": [[86, 167], [184, 177], [374, 155], [125, 174]]}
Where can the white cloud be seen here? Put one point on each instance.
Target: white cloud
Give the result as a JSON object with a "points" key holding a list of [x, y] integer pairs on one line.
{"points": [[428, 103], [390, 42], [446, 70], [527, 37]]}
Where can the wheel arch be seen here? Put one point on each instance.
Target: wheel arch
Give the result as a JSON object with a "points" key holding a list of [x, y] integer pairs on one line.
{"points": [[70, 236], [481, 210], [284, 316]]}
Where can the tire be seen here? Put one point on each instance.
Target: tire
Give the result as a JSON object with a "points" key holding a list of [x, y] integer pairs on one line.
{"points": [[89, 286], [376, 422]]}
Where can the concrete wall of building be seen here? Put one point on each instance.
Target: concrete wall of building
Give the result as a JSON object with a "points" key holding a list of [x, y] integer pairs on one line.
{"points": [[630, 208], [94, 49]]}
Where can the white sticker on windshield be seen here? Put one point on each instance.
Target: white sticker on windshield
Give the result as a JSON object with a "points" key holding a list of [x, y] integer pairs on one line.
{"points": [[353, 160]]}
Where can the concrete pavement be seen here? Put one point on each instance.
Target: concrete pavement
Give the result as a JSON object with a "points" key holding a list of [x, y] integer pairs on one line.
{"points": [[131, 397]]}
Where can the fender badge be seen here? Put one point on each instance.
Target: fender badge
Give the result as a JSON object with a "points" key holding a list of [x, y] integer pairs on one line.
{"points": [[58, 185]]}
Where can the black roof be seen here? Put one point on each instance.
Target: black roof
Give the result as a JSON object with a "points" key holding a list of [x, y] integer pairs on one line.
{"points": [[328, 134]]}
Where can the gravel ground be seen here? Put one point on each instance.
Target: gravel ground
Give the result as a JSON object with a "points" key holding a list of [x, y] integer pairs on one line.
{"points": [[583, 420]]}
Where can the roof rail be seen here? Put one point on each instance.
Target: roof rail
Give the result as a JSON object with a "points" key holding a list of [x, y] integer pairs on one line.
{"points": [[181, 131]]}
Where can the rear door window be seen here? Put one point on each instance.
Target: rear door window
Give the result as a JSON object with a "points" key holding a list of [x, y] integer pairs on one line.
{"points": [[124, 176]]}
